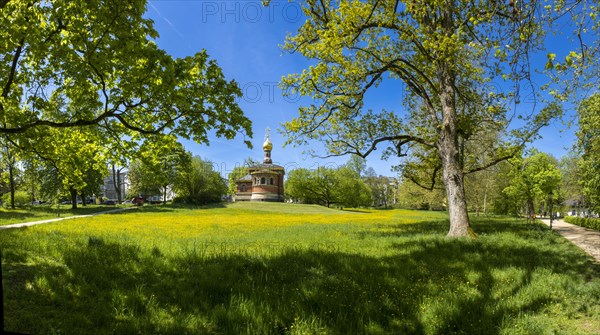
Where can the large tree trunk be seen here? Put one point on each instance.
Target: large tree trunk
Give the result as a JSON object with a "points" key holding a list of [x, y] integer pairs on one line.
{"points": [[448, 149], [455, 192], [116, 179], [73, 198]]}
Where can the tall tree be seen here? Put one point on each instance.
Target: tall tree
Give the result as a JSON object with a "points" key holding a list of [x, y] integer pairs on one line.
{"points": [[589, 144], [446, 52], [199, 183], [358, 164], [572, 175], [70, 63], [118, 179], [32, 170], [9, 160], [161, 159], [535, 181], [77, 155]]}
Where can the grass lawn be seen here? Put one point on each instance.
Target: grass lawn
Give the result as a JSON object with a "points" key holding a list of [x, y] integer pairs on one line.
{"points": [[294, 269], [45, 212]]}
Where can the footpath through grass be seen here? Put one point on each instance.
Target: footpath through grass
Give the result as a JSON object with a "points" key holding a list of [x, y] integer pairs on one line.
{"points": [[294, 269], [44, 212]]}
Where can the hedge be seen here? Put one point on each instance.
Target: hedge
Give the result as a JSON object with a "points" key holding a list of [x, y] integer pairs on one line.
{"points": [[584, 222]]}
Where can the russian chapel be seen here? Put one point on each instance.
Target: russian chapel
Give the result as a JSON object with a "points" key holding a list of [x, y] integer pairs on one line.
{"points": [[264, 182]]}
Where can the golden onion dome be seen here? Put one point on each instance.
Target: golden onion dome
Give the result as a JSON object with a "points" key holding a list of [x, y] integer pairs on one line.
{"points": [[267, 145]]}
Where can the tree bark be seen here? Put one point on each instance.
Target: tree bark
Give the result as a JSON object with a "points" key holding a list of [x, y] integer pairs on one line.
{"points": [[1, 298], [73, 198], [448, 149], [116, 179], [11, 176], [455, 192]]}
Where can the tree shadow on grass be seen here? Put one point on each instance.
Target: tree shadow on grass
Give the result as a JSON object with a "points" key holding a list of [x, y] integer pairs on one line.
{"points": [[426, 285]]}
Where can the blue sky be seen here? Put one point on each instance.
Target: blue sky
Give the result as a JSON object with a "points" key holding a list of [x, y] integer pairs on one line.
{"points": [[245, 37]]}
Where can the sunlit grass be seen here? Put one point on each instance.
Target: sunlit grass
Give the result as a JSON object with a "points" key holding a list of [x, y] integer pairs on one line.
{"points": [[46, 212], [294, 269]]}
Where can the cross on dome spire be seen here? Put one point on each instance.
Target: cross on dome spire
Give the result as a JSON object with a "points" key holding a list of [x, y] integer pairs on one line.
{"points": [[267, 146]]}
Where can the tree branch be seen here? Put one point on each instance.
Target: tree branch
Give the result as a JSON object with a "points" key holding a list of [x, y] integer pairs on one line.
{"points": [[13, 68], [433, 177], [404, 139]]}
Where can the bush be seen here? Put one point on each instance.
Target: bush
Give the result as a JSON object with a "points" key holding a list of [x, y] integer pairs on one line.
{"points": [[584, 222], [200, 199], [21, 199]]}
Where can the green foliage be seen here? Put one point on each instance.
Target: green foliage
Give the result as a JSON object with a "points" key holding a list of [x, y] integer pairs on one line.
{"points": [[592, 223], [95, 63], [198, 183], [161, 159], [413, 196], [447, 53], [534, 180], [239, 270], [589, 145], [328, 186], [76, 157], [351, 190], [21, 199], [572, 175]]}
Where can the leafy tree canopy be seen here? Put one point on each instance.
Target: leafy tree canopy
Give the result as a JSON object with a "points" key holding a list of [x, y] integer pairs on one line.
{"points": [[589, 145], [199, 183], [69, 63], [533, 179], [447, 53]]}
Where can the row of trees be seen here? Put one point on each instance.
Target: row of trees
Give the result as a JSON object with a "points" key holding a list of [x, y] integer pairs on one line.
{"points": [[190, 178], [74, 167], [349, 185], [341, 187]]}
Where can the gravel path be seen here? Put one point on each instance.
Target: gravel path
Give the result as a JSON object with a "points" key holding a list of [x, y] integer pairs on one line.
{"points": [[586, 239]]}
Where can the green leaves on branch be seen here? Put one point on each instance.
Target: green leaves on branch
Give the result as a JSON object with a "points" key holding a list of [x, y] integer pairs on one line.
{"points": [[78, 63]]}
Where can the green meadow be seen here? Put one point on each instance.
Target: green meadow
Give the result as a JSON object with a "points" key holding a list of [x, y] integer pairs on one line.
{"points": [[46, 212], [294, 269]]}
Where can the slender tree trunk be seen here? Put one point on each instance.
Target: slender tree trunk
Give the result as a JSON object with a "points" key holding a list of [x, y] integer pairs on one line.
{"points": [[32, 192], [485, 203], [1, 298], [11, 176], [448, 149], [83, 200], [119, 183]]}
